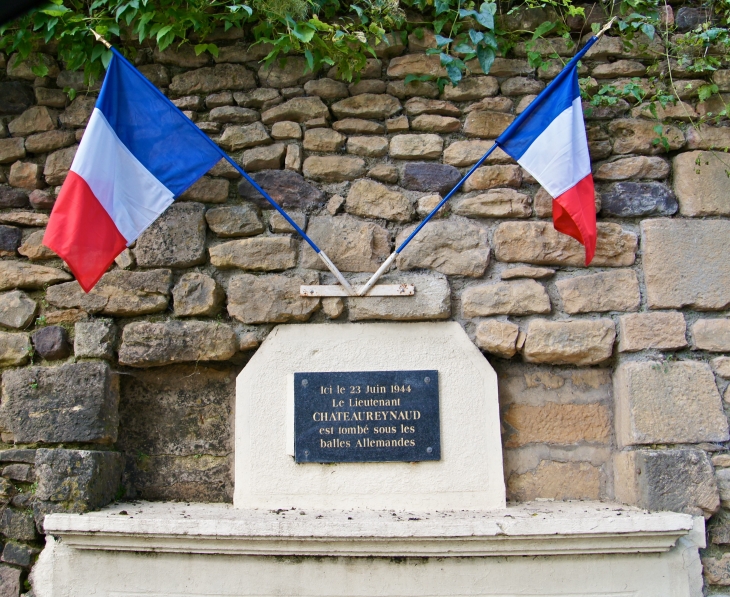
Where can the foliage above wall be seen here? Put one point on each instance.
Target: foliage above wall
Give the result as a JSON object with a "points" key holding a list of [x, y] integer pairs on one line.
{"points": [[343, 33]]}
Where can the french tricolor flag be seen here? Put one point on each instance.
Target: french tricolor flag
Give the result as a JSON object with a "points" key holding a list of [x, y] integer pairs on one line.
{"points": [[549, 141], [138, 153]]}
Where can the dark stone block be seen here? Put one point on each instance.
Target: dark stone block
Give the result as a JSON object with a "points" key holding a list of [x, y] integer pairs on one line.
{"points": [[9, 581], [15, 97], [176, 433], [175, 239], [40, 199], [18, 525], [10, 238], [18, 554], [19, 472], [75, 480], [71, 403], [286, 187], [22, 501], [635, 199], [430, 178], [689, 17], [10, 197], [26, 456], [51, 343]]}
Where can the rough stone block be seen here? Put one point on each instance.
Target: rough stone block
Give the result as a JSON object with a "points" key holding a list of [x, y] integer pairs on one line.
{"points": [[285, 187], [10, 197], [721, 367], [370, 199], [709, 137], [19, 472], [496, 203], [146, 344], [353, 245], [539, 243], [95, 339], [324, 140], [207, 190], [18, 555], [701, 183], [416, 147], [11, 150], [524, 297], [278, 224], [263, 253], [196, 294], [299, 109], [15, 349], [606, 291], [18, 525], [271, 299], [497, 337], [34, 249], [685, 263], [636, 199], [237, 137], [333, 168], [640, 167], [58, 164], [679, 480], [642, 331], [712, 335], [665, 403], [17, 309], [10, 580], [489, 177], [716, 571], [369, 147], [76, 480], [71, 403], [486, 124], [175, 239], [580, 342], [51, 343], [429, 177], [34, 120], [637, 136], [450, 247], [431, 301], [20, 455], [210, 79], [560, 424], [557, 481]]}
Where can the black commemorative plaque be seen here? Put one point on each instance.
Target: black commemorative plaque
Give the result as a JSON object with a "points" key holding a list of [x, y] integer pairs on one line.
{"points": [[366, 416]]}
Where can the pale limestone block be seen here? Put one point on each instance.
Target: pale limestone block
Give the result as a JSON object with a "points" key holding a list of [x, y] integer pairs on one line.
{"points": [[556, 480], [271, 298], [416, 147], [701, 184], [642, 331], [721, 367], [525, 271], [497, 337], [712, 335], [606, 291], [333, 306], [496, 203], [263, 253], [560, 424], [370, 199], [524, 297], [579, 342]]}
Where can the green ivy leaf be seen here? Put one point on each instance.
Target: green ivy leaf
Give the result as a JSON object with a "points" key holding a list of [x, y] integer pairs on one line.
{"points": [[485, 55], [544, 28], [485, 16], [39, 70], [464, 48], [442, 41], [304, 32], [106, 58], [475, 36]]}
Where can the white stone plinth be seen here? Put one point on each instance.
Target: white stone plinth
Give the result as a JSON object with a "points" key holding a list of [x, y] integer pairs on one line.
{"points": [[579, 548], [469, 474]]}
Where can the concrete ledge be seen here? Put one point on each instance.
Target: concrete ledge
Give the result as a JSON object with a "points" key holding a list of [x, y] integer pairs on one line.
{"points": [[544, 528]]}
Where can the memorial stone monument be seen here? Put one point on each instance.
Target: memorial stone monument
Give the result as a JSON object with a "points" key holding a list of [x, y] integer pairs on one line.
{"points": [[369, 463]]}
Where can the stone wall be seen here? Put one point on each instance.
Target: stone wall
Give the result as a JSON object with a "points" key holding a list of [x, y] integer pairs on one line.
{"points": [[611, 377]]}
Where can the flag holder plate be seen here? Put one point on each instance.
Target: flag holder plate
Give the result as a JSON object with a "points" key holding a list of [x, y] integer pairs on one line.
{"points": [[325, 290]]}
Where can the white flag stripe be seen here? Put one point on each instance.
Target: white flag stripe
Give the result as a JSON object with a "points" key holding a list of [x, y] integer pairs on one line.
{"points": [[129, 193], [558, 159]]}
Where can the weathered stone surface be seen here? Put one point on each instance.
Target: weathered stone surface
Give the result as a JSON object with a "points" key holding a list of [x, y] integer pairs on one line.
{"points": [[288, 72], [175, 239], [497, 337], [712, 335], [369, 147], [433, 123], [642, 167], [10, 579], [293, 158], [26, 175], [78, 113], [51, 343], [233, 114], [353, 245], [49, 141], [277, 222], [557, 481], [521, 86], [685, 263], [678, 480], [180, 418], [326, 88], [721, 366], [467, 153], [11, 150], [367, 86], [414, 147], [715, 570], [636, 199], [183, 56], [554, 423], [370, 199], [10, 197], [215, 78], [286, 187], [708, 137], [497, 203], [207, 190], [18, 554], [416, 64], [580, 342], [299, 109], [71, 403], [18, 274], [34, 120], [156, 74], [659, 403], [384, 173], [235, 220], [358, 126], [58, 164], [642, 331], [23, 218], [38, 199], [15, 349], [196, 294], [271, 298], [17, 309], [637, 136], [264, 253], [18, 525], [525, 271], [431, 301], [95, 339], [606, 291], [489, 177], [146, 344], [325, 140], [262, 98], [18, 472], [76, 480], [451, 247], [539, 243], [270, 157], [418, 105], [487, 125], [399, 124], [430, 178], [701, 184], [241, 137], [426, 204], [10, 237], [286, 130], [333, 168], [525, 297], [15, 97], [472, 89]]}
